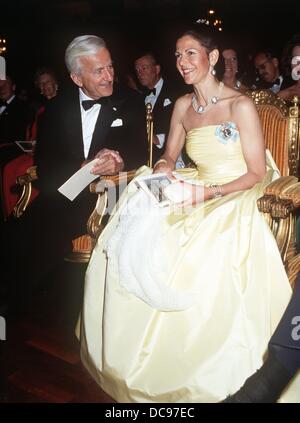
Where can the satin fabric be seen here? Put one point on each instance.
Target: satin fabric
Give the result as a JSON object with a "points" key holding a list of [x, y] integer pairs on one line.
{"points": [[222, 252]]}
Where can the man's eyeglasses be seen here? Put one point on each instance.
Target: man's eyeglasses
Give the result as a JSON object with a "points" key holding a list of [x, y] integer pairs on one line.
{"points": [[143, 68]]}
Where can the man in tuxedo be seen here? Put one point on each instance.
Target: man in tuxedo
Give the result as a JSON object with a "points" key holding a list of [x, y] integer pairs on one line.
{"points": [[93, 121], [14, 115], [14, 119], [267, 67], [161, 97]]}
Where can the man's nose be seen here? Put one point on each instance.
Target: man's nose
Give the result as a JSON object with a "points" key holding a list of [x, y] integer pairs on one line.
{"points": [[140, 71], [109, 74]]}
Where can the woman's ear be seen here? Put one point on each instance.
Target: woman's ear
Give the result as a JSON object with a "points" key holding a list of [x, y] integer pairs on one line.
{"points": [[213, 57]]}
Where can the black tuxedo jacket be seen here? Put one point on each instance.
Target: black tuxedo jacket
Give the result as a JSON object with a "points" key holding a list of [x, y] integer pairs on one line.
{"points": [[60, 151], [14, 121], [162, 113], [120, 126]]}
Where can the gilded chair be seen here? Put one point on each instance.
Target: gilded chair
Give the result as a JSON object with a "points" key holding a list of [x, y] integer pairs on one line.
{"points": [[81, 246], [281, 199], [115, 183]]}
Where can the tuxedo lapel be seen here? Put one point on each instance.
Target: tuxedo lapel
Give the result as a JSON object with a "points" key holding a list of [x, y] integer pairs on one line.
{"points": [[103, 123], [108, 113], [73, 127], [159, 105]]}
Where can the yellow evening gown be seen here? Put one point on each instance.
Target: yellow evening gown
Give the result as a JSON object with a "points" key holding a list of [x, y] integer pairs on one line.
{"points": [[180, 307]]}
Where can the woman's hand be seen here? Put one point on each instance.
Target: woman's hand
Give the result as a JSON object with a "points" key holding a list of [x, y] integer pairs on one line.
{"points": [[163, 166], [198, 194]]}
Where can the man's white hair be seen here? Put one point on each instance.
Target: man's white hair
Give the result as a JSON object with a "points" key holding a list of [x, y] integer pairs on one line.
{"points": [[85, 45]]}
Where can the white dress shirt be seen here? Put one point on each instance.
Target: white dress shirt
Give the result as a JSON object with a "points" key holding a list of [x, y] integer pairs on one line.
{"points": [[276, 87], [88, 118], [151, 98]]}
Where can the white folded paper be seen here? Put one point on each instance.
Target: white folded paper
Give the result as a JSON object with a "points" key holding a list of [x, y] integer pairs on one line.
{"points": [[74, 185]]}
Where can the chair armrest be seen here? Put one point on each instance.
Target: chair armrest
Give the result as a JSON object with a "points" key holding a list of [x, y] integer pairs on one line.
{"points": [[279, 203], [101, 187], [279, 185], [292, 193], [26, 182], [97, 187], [274, 201], [28, 177]]}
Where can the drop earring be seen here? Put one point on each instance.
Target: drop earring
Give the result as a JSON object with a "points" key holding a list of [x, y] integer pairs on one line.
{"points": [[213, 71]]}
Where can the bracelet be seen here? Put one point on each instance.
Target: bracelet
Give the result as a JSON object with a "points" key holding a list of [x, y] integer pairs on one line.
{"points": [[216, 190], [161, 161]]}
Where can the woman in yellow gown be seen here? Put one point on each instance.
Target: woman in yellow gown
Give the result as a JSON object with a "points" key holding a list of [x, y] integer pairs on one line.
{"points": [[180, 302]]}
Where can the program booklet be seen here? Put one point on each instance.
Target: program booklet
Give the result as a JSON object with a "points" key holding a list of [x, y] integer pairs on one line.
{"points": [[162, 189], [26, 146], [77, 182]]}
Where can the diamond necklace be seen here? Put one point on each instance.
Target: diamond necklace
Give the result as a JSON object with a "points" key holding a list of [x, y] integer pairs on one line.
{"points": [[214, 100]]}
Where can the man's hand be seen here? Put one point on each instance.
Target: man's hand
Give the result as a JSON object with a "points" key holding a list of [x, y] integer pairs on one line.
{"points": [[289, 93], [109, 162]]}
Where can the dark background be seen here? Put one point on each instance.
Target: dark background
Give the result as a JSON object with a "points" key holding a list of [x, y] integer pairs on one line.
{"points": [[37, 32]]}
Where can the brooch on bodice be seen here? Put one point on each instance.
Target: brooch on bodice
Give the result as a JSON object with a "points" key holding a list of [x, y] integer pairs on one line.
{"points": [[226, 131]]}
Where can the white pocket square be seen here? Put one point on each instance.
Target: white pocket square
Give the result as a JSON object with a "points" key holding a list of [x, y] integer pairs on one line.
{"points": [[117, 122], [167, 102]]}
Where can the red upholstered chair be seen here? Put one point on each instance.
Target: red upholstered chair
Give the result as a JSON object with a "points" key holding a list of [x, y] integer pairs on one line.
{"points": [[12, 170]]}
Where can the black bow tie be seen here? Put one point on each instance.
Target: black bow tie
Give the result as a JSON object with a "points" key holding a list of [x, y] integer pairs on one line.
{"points": [[147, 91], [276, 82], [3, 103], [88, 104]]}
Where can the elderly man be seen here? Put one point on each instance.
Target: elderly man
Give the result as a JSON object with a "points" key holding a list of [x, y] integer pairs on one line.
{"points": [[92, 121]]}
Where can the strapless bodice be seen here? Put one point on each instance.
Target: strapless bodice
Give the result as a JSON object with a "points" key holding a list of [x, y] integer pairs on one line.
{"points": [[217, 152]]}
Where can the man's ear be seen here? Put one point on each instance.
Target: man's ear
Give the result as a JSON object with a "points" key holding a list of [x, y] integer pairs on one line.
{"points": [[76, 79], [157, 69], [213, 57]]}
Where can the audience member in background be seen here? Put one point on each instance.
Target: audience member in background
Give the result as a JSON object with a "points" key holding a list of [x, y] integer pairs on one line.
{"points": [[160, 95], [46, 82], [231, 70], [14, 121], [267, 67], [14, 113], [291, 67]]}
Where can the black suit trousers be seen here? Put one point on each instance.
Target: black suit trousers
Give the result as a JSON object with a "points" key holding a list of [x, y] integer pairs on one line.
{"points": [[285, 342], [36, 243]]}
